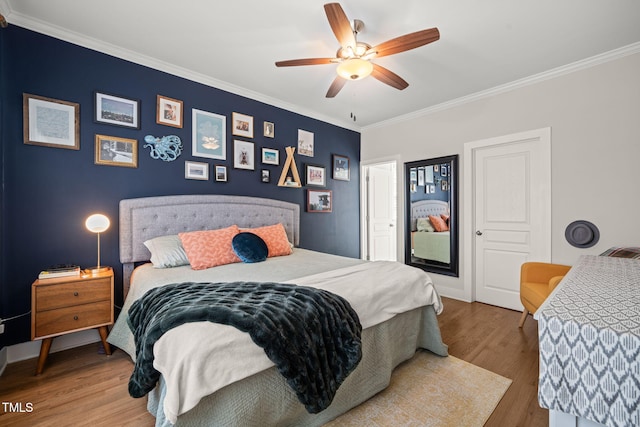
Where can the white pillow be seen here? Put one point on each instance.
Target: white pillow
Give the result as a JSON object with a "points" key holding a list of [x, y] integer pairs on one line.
{"points": [[167, 251], [425, 225]]}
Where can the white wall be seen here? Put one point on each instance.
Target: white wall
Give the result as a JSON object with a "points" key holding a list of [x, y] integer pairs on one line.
{"points": [[594, 115]]}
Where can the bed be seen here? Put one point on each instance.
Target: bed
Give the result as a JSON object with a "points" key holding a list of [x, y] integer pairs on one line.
{"points": [[192, 390], [427, 243]]}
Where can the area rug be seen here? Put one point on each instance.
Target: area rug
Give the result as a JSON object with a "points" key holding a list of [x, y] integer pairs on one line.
{"points": [[430, 390]]}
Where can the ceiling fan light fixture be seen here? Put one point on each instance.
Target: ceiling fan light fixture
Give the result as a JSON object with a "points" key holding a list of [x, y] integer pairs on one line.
{"points": [[354, 69]]}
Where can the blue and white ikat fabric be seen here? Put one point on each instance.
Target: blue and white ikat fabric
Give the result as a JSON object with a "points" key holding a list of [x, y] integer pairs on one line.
{"points": [[589, 332]]}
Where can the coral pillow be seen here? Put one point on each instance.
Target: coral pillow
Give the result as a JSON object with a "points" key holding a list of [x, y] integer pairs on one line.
{"points": [[275, 237], [438, 223], [210, 248], [446, 219]]}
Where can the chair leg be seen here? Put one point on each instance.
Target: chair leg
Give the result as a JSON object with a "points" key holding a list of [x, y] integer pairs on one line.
{"points": [[525, 313]]}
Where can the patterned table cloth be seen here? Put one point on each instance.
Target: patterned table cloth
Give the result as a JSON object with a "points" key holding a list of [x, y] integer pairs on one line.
{"points": [[589, 332]]}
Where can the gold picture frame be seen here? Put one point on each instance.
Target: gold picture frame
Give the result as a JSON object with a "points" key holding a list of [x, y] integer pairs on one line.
{"points": [[116, 151]]}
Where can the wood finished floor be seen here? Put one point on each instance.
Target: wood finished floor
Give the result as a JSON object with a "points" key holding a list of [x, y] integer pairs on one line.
{"points": [[80, 387]]}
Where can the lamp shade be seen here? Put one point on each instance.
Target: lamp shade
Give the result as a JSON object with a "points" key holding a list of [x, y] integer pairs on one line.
{"points": [[354, 69], [97, 223]]}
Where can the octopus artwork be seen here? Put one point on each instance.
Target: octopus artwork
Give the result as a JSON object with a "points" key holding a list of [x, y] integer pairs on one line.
{"points": [[167, 148]]}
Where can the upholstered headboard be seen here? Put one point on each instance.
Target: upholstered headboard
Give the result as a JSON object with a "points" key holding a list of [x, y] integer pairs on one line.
{"points": [[424, 208], [145, 218]]}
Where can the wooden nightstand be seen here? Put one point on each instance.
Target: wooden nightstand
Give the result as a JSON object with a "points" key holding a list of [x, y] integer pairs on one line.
{"points": [[69, 304]]}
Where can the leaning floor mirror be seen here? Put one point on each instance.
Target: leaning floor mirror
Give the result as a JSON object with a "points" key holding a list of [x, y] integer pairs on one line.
{"points": [[431, 237]]}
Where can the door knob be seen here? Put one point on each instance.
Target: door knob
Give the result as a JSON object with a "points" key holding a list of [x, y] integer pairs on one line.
{"points": [[479, 233]]}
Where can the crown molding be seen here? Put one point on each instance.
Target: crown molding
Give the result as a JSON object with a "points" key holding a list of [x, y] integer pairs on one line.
{"points": [[148, 61], [612, 55], [138, 58]]}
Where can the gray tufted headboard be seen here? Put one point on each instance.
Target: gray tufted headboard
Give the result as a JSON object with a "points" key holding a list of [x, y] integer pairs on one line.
{"points": [[424, 208], [148, 217]]}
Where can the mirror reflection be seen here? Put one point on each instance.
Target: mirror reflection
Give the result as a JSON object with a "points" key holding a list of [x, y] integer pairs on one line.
{"points": [[431, 215]]}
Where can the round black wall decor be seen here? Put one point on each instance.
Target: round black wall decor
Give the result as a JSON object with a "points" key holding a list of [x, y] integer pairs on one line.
{"points": [[582, 234]]}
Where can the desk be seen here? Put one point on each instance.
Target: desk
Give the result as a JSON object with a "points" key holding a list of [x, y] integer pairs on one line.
{"points": [[589, 332]]}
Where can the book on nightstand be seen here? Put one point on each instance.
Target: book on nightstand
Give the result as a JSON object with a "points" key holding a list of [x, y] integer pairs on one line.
{"points": [[60, 271]]}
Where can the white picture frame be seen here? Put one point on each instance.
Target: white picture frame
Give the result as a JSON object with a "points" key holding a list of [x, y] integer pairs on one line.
{"points": [[305, 143], [270, 156], [209, 135], [196, 170], [243, 155]]}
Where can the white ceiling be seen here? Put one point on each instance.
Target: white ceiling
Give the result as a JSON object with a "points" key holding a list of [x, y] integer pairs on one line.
{"points": [[485, 46]]}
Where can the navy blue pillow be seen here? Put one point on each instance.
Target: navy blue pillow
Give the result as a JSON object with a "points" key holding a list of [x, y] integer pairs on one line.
{"points": [[250, 247]]}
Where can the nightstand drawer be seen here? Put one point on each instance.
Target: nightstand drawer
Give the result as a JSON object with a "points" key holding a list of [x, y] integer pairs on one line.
{"points": [[70, 294], [67, 319]]}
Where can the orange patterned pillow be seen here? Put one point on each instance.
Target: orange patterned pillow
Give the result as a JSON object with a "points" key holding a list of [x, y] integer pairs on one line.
{"points": [[210, 248], [437, 222], [275, 237]]}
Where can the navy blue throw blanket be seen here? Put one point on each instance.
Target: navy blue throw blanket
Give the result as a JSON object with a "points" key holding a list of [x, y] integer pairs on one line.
{"points": [[311, 335]]}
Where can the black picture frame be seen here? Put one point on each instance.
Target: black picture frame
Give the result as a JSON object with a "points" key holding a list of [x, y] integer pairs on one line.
{"points": [[116, 110], [341, 167]]}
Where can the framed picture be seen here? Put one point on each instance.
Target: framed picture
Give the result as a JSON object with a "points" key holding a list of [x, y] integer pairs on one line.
{"points": [[305, 143], [169, 111], [242, 125], [209, 135], [270, 156], [115, 151], [116, 110], [428, 174], [196, 170], [265, 175], [269, 129], [50, 122], [443, 170], [319, 200], [420, 177], [444, 185], [243, 155], [315, 175], [413, 175], [341, 168], [221, 173]]}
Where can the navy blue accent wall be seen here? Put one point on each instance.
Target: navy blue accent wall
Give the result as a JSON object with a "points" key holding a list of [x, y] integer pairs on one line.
{"points": [[47, 193]]}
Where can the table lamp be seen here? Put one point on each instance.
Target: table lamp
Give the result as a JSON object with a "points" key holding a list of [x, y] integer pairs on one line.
{"points": [[97, 223]]}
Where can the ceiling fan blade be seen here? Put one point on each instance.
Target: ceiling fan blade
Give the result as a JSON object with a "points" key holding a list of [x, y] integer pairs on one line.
{"points": [[388, 77], [340, 25], [338, 83], [306, 61], [406, 42]]}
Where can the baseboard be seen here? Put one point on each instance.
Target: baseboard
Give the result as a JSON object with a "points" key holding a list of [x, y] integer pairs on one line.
{"points": [[31, 349], [3, 359]]}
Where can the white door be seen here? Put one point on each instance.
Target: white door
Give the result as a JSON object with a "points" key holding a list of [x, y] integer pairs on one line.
{"points": [[512, 212], [380, 212]]}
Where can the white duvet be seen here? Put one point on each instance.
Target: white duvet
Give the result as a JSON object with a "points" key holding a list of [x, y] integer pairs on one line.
{"points": [[196, 359]]}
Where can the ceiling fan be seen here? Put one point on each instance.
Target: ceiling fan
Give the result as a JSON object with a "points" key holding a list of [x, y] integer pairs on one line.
{"points": [[354, 57]]}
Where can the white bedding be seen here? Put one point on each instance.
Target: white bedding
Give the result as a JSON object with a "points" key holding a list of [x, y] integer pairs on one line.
{"points": [[376, 290]]}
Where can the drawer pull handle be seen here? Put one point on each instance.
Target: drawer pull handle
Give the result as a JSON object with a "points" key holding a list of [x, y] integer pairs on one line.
{"points": [[75, 317], [75, 294]]}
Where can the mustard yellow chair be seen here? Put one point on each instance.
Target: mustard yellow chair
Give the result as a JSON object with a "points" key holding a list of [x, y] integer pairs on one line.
{"points": [[537, 281]]}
